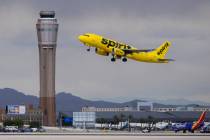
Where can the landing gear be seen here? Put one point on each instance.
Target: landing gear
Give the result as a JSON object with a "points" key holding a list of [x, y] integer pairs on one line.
{"points": [[124, 59], [88, 49], [113, 59]]}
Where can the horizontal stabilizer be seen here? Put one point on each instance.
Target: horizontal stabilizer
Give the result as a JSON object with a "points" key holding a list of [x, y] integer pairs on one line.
{"points": [[165, 60]]}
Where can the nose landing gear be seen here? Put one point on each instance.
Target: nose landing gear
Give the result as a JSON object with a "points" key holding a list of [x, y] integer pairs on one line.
{"points": [[124, 59]]}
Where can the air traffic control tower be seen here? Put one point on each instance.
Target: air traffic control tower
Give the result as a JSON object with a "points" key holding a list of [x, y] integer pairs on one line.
{"points": [[47, 28]]}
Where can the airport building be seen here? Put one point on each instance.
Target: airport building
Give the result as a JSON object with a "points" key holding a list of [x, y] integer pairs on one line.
{"points": [[84, 119], [29, 114], [147, 106], [148, 110], [144, 106], [150, 106], [81, 118], [195, 108], [204, 108], [114, 109], [164, 109]]}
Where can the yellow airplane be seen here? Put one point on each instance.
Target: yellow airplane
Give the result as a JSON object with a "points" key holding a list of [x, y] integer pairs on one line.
{"points": [[104, 46]]}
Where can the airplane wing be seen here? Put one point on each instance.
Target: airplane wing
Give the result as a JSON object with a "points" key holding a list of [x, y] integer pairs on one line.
{"points": [[130, 51]]}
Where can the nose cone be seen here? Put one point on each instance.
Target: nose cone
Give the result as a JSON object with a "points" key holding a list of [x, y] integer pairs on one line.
{"points": [[81, 38]]}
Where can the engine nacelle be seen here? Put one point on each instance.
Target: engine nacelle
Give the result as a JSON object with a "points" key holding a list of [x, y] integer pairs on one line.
{"points": [[101, 52]]}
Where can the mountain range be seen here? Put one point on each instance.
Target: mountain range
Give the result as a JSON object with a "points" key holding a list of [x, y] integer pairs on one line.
{"points": [[65, 102]]}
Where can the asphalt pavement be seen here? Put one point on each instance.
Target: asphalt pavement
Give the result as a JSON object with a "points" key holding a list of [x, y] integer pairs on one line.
{"points": [[98, 137]]}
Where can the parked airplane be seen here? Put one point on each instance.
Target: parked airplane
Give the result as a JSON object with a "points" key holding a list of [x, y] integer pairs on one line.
{"points": [[205, 129], [104, 46], [190, 126]]}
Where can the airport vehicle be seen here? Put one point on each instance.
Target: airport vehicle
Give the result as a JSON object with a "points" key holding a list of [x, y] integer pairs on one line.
{"points": [[102, 126], [1, 129], [190, 126], [26, 129], [120, 126], [104, 47], [41, 130], [34, 129], [10, 129], [147, 130], [161, 125]]}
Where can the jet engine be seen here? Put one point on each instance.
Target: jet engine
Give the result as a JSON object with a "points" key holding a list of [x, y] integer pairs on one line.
{"points": [[101, 52]]}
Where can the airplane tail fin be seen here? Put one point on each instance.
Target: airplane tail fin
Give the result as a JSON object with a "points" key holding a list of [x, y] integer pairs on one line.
{"points": [[163, 49], [198, 123]]}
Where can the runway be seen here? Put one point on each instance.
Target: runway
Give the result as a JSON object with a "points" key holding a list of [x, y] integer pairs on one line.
{"points": [[88, 137]]}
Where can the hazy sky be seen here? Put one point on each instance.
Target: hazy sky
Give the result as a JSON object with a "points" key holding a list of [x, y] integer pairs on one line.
{"points": [[141, 23]]}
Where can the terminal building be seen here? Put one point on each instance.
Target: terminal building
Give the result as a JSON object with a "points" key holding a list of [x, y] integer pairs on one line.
{"points": [[150, 106], [86, 120], [171, 108], [147, 106], [113, 109], [149, 111]]}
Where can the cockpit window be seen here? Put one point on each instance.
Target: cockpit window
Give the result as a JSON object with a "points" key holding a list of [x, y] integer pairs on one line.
{"points": [[87, 35]]}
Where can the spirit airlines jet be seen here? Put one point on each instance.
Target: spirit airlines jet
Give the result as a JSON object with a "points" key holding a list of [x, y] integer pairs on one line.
{"points": [[104, 46]]}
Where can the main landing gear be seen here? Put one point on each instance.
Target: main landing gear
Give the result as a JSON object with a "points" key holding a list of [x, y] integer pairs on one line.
{"points": [[88, 49], [124, 59], [113, 59]]}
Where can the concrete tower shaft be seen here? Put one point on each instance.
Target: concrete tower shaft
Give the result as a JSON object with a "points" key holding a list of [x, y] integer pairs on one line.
{"points": [[47, 28]]}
